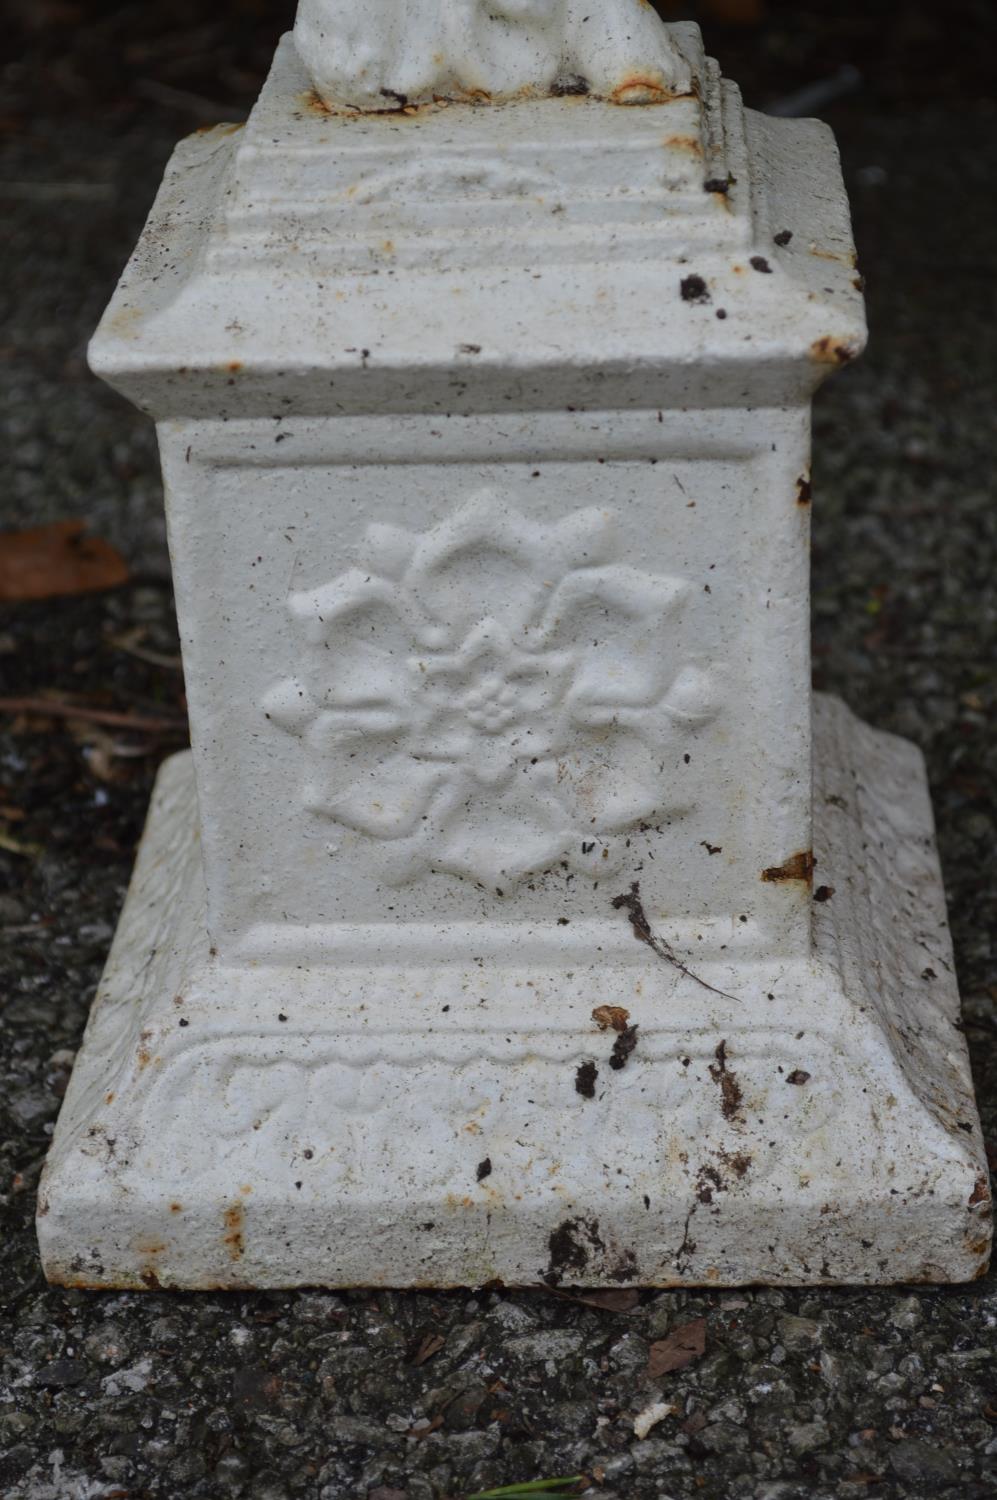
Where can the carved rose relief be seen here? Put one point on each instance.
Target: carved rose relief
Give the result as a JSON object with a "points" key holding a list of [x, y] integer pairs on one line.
{"points": [[377, 54], [492, 695]]}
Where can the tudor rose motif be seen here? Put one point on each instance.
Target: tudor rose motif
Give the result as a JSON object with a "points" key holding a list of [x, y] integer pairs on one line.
{"points": [[493, 695]]}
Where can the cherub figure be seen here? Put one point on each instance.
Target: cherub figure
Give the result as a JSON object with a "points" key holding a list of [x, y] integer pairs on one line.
{"points": [[379, 54]]}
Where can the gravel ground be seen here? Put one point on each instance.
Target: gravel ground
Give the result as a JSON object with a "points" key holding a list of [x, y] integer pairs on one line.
{"points": [[384, 1396]]}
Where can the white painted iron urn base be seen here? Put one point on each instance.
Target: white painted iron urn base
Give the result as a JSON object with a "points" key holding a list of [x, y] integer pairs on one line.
{"points": [[518, 914]]}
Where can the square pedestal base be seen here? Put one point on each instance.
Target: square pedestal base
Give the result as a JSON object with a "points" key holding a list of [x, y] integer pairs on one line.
{"points": [[794, 1122]]}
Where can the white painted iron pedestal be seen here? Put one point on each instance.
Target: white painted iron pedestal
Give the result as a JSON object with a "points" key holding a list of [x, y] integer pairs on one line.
{"points": [[518, 915]]}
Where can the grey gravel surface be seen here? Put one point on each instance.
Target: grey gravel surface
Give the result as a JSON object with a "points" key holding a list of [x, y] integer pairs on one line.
{"points": [[800, 1395]]}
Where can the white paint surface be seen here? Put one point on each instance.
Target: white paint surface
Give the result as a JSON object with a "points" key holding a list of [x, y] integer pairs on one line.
{"points": [[485, 435]]}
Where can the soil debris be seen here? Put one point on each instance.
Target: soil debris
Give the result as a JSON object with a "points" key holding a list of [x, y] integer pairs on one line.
{"points": [[730, 1089], [585, 1079], [623, 1047]]}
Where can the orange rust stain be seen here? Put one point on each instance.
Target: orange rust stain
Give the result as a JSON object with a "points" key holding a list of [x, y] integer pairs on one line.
{"points": [[796, 867], [313, 100], [149, 1247], [233, 1239], [685, 143], [144, 1057], [830, 351], [850, 259], [234, 366], [606, 1016], [109, 1098], [176, 1208], [637, 90], [804, 490]]}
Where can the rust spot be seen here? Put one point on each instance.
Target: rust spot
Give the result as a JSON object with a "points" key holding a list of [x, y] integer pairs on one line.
{"points": [[606, 1016], [313, 100], [144, 1057], [234, 366], [684, 143], [234, 1219], [150, 1279], [638, 90], [804, 490], [585, 1079], [831, 351], [109, 1098], [849, 259], [798, 1076], [622, 1048], [176, 1208], [796, 867], [730, 1090], [570, 1245], [980, 1193]]}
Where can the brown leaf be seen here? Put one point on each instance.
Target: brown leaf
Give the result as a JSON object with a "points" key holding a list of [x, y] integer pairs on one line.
{"points": [[51, 561], [615, 1299], [431, 1344], [606, 1016], [679, 1349]]}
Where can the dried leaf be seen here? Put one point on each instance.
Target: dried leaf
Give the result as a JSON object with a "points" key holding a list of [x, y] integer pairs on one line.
{"points": [[431, 1344], [650, 1417], [679, 1349], [615, 1299], [420, 1431], [48, 562], [606, 1016]]}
